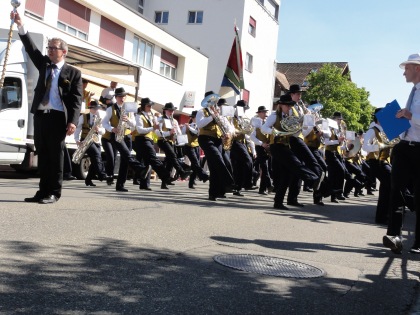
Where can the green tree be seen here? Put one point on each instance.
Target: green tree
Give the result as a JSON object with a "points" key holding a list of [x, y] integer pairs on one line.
{"points": [[337, 93]]}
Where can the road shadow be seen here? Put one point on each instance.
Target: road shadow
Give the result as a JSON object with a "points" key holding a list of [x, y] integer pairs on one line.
{"points": [[110, 276]]}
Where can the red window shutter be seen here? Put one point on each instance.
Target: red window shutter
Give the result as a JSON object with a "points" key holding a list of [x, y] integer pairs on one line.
{"points": [[252, 22], [112, 36], [169, 58], [36, 6], [74, 14]]}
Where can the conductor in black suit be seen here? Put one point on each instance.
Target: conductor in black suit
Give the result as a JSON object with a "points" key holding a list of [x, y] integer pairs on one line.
{"points": [[56, 108]]}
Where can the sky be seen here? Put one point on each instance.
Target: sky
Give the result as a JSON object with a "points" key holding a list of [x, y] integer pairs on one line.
{"points": [[372, 36]]}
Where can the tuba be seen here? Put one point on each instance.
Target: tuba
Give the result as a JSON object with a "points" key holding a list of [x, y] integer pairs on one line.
{"points": [[209, 103], [388, 143], [353, 147], [91, 137]]}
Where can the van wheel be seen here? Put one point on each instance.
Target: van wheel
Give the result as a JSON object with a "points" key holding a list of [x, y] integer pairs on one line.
{"points": [[81, 170]]}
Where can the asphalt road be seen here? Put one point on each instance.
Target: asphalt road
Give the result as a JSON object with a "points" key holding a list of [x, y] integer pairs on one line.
{"points": [[101, 252]]}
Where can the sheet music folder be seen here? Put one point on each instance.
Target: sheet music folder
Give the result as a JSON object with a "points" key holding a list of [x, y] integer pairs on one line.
{"points": [[392, 125]]}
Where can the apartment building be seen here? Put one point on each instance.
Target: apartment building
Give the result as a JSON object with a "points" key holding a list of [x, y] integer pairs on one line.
{"points": [[208, 25], [110, 41]]}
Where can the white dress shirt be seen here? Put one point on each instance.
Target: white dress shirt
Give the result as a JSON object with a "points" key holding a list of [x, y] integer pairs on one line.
{"points": [[139, 123], [369, 139], [413, 133]]}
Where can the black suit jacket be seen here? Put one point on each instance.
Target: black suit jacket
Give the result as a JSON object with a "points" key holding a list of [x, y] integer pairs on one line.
{"points": [[69, 83]]}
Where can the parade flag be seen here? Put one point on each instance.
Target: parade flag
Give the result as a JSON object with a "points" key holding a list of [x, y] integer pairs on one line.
{"points": [[233, 77]]}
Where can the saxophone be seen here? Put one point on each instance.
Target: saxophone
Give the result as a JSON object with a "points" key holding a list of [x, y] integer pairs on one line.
{"points": [[92, 136], [119, 136]]}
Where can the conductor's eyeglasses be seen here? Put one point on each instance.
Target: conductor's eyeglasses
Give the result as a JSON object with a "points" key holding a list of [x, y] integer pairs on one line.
{"points": [[52, 48]]}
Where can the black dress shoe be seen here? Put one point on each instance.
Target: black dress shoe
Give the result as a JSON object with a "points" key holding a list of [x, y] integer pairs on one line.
{"points": [[307, 189], [319, 203], [415, 249], [221, 196], [89, 183], [270, 188], [49, 199], [206, 178], [69, 177], [164, 186], [370, 193], [33, 199], [145, 188], [212, 198], [280, 206], [393, 242], [191, 187], [263, 193], [238, 193], [335, 201], [121, 188], [251, 187], [136, 182], [295, 203], [341, 197], [110, 180]]}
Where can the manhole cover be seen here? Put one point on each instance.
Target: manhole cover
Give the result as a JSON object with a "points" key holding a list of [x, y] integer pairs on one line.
{"points": [[271, 266]]}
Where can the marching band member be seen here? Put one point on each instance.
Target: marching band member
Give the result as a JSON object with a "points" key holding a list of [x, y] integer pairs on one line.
{"points": [[241, 160], [313, 138], [262, 147], [378, 160], [210, 139], [85, 124], [167, 131], [285, 162], [192, 151], [146, 124], [301, 150], [110, 123], [335, 164]]}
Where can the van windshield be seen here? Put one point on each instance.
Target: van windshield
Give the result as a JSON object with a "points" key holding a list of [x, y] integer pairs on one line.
{"points": [[11, 94]]}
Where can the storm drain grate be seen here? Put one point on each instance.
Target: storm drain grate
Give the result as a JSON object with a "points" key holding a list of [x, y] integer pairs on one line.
{"points": [[271, 266]]}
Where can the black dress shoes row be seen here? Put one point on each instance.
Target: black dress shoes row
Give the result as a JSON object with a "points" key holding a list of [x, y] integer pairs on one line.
{"points": [[145, 188], [121, 189]]}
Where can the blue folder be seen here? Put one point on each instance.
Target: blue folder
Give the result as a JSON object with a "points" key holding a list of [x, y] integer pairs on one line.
{"points": [[392, 125]]}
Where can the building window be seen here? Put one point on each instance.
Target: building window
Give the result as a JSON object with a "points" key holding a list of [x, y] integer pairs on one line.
{"points": [[142, 52], [161, 17], [168, 64], [195, 17], [248, 62], [167, 71], [141, 6], [252, 26], [72, 31]]}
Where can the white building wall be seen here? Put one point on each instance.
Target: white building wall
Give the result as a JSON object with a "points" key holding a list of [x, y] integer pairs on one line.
{"points": [[215, 36], [192, 77]]}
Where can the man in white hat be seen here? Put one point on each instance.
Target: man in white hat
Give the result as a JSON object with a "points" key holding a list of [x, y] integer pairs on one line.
{"points": [[405, 165]]}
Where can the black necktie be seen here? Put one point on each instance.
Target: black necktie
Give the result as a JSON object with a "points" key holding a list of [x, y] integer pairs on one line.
{"points": [[46, 97]]}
